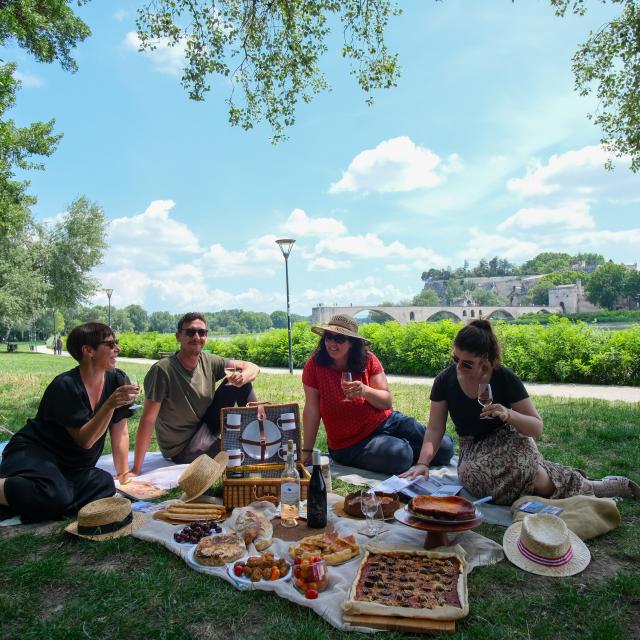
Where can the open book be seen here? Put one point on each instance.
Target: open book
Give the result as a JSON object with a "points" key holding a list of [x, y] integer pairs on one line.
{"points": [[418, 487]]}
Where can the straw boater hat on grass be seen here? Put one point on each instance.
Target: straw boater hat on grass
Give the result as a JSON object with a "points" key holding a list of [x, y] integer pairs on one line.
{"points": [[542, 544], [201, 474], [106, 519], [340, 323]]}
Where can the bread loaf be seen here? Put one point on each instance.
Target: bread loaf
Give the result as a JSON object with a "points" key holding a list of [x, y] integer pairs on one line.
{"points": [[443, 508]]}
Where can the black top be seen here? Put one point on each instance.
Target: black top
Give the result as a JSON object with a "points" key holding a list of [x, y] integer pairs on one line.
{"points": [[464, 411], [65, 403]]}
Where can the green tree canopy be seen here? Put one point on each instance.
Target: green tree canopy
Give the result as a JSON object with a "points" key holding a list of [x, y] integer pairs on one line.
{"points": [[138, 316], [270, 52], [426, 298], [606, 285]]}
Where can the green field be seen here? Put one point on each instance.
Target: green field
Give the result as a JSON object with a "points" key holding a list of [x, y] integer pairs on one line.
{"points": [[52, 586]]}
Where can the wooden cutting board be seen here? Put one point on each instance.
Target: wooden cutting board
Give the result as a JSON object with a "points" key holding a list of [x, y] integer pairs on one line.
{"points": [[395, 623]]}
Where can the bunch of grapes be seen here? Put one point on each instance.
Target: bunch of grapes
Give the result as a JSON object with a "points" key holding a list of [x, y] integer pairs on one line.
{"points": [[195, 531]]}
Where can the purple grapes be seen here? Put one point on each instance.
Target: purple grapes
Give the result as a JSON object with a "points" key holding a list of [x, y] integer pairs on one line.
{"points": [[194, 532]]}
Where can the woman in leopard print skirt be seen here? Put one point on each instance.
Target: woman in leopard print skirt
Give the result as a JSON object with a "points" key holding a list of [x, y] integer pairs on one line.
{"points": [[498, 454]]}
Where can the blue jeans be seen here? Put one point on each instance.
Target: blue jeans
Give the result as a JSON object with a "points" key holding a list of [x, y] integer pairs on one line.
{"points": [[392, 448]]}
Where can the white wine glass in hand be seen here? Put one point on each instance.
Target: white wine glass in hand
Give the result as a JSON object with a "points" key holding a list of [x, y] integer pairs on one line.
{"points": [[135, 382], [369, 505], [230, 369], [345, 382], [485, 397]]}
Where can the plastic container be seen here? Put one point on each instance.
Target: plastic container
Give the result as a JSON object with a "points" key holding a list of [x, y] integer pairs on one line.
{"points": [[310, 573]]}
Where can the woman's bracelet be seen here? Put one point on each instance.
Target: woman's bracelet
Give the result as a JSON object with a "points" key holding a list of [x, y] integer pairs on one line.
{"points": [[424, 464]]}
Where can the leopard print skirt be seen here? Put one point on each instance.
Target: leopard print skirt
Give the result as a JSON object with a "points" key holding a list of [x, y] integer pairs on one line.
{"points": [[504, 465]]}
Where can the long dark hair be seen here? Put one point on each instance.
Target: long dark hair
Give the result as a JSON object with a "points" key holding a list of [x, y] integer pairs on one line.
{"points": [[90, 334], [356, 357], [478, 338]]}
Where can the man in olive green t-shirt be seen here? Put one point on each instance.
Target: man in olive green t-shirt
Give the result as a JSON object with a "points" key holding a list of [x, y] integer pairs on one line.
{"points": [[181, 400]]}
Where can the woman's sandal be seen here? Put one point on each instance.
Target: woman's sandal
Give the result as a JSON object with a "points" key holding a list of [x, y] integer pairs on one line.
{"points": [[613, 486]]}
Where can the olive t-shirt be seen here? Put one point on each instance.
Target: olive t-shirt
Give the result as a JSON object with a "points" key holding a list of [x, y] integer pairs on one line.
{"points": [[507, 388], [185, 396]]}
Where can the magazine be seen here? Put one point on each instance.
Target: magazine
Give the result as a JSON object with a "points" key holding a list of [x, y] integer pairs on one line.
{"points": [[418, 487]]}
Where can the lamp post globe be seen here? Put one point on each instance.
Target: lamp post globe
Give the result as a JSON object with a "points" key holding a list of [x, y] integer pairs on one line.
{"points": [[109, 292], [286, 244]]}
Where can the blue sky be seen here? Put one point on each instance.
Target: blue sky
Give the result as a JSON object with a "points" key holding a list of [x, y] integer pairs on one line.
{"points": [[483, 149]]}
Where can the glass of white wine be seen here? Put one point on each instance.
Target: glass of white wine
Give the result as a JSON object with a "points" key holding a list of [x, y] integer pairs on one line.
{"points": [[369, 504], [135, 382], [230, 369], [485, 397], [345, 381]]}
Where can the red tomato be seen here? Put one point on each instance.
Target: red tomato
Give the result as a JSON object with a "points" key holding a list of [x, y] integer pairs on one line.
{"points": [[297, 560], [238, 570], [310, 594]]}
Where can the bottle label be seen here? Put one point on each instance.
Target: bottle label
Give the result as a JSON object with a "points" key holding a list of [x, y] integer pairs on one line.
{"points": [[290, 492]]}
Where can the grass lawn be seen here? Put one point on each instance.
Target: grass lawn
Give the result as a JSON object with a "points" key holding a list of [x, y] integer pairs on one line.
{"points": [[53, 586]]}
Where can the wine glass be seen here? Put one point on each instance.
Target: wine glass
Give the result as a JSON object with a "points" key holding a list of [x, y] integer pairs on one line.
{"points": [[230, 369], [369, 504], [133, 380], [345, 381], [485, 397]]}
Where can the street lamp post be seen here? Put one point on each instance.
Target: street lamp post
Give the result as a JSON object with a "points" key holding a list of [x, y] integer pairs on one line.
{"points": [[109, 292], [286, 244]]}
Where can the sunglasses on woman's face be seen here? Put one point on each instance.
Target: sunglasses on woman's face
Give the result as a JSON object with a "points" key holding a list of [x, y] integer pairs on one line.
{"points": [[192, 332], [112, 344], [338, 338], [465, 363]]}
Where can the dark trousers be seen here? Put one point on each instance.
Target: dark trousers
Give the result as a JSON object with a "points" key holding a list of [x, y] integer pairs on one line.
{"points": [[392, 448], [207, 438], [37, 488]]}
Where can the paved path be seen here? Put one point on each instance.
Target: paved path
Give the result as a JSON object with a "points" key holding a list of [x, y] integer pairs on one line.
{"points": [[624, 394]]}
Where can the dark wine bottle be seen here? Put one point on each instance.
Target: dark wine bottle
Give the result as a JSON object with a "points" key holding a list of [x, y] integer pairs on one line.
{"points": [[317, 496]]}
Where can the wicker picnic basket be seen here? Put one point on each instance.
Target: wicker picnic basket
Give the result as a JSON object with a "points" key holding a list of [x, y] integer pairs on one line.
{"points": [[262, 438]]}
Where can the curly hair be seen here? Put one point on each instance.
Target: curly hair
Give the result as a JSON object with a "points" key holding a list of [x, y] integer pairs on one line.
{"points": [[356, 357], [478, 338], [190, 317]]}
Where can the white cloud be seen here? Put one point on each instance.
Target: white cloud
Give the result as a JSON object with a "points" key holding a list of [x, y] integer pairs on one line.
{"points": [[371, 246], [581, 171], [165, 58], [394, 165], [360, 292], [598, 239], [573, 215], [327, 264], [120, 15], [300, 224], [399, 268], [484, 244], [28, 80]]}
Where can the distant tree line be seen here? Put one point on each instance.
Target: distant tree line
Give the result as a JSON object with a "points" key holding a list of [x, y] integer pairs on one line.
{"points": [[136, 319]]}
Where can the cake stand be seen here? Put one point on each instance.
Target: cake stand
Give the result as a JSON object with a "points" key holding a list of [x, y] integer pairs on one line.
{"points": [[437, 534]]}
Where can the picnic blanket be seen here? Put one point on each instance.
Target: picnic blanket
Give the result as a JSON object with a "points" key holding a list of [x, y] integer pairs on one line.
{"points": [[479, 551]]}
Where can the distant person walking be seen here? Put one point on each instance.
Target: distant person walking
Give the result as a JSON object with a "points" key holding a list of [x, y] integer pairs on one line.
{"points": [[58, 346]]}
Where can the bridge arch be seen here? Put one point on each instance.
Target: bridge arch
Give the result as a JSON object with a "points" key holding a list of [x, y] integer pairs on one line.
{"points": [[443, 313], [500, 313], [379, 311]]}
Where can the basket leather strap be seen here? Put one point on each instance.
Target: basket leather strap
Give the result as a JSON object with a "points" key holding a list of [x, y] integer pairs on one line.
{"points": [[262, 442]]}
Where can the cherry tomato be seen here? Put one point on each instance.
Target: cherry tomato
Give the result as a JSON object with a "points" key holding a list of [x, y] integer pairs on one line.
{"points": [[297, 560], [310, 594], [238, 570]]}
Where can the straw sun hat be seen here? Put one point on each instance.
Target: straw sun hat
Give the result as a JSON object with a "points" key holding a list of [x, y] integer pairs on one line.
{"points": [[201, 474], [542, 544], [106, 519], [340, 323]]}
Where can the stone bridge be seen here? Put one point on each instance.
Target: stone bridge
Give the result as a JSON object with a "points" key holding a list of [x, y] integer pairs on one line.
{"points": [[403, 315]]}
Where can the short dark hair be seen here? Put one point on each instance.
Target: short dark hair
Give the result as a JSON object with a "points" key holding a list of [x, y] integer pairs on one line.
{"points": [[356, 358], [190, 317], [90, 334], [478, 338]]}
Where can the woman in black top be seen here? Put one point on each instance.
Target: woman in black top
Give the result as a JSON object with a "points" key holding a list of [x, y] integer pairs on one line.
{"points": [[498, 455], [48, 468]]}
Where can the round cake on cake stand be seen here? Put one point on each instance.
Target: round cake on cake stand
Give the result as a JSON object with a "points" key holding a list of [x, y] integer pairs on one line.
{"points": [[437, 530]]}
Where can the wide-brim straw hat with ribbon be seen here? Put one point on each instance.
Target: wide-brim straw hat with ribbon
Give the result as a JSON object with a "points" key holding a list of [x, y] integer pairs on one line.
{"points": [[201, 474], [106, 519], [543, 544], [341, 323]]}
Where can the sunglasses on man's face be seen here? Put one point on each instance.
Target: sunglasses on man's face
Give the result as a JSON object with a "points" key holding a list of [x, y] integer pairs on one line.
{"points": [[192, 332], [465, 363], [112, 344], [338, 338]]}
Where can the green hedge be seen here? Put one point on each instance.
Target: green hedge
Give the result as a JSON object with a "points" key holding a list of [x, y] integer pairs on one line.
{"points": [[561, 351]]}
